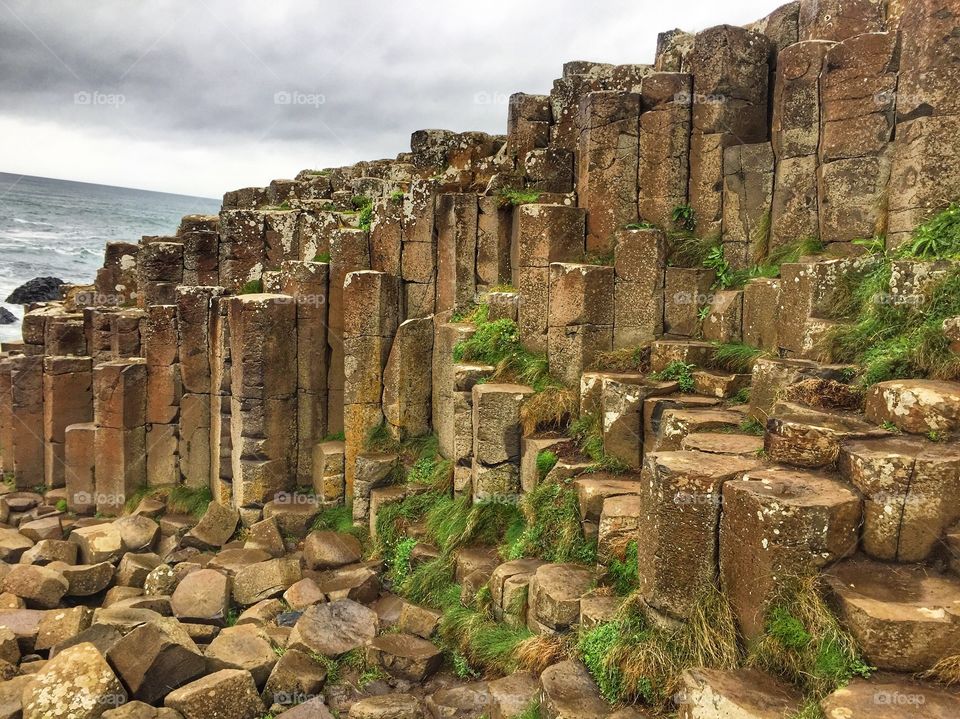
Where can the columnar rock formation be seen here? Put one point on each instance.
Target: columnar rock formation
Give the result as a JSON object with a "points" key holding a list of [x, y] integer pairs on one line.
{"points": [[279, 353]]}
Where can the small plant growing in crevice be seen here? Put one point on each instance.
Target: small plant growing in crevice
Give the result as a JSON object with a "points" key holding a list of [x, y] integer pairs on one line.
{"points": [[735, 357], [680, 372], [397, 196], [322, 257], [624, 572], [253, 287], [752, 426], [683, 217], [546, 460], [512, 197]]}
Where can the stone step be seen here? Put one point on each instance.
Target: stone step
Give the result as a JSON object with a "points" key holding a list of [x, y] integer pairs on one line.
{"points": [[741, 445], [886, 696], [665, 351], [676, 424], [911, 493], [904, 617], [741, 693], [917, 406], [781, 522], [772, 375], [806, 437], [554, 596], [569, 692], [404, 656]]}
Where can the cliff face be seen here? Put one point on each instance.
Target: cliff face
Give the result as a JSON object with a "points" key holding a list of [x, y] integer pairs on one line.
{"points": [[648, 295]]}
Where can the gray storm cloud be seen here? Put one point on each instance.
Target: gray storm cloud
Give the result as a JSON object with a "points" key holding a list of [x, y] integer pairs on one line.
{"points": [[338, 80]]}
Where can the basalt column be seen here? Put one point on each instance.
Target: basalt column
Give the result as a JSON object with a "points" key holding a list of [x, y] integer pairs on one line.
{"points": [[370, 319], [195, 306], [456, 251], [607, 159], [67, 400], [307, 284], [119, 410], [263, 401], [26, 393], [925, 170], [164, 395], [730, 75], [664, 146]]}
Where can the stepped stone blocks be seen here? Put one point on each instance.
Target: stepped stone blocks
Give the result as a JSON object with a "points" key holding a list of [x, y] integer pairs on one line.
{"points": [[607, 164], [730, 83], [67, 400], [838, 20], [780, 27], [159, 271], [772, 375], [686, 291], [307, 284], [664, 145], [119, 410], [349, 252], [780, 523], [639, 267], [243, 254], [528, 124], [795, 136], [805, 437], [496, 439], [79, 456], [456, 223], [371, 307], [407, 379], [655, 411], [857, 96], [592, 384], [724, 321], [665, 351], [911, 493], [124, 329], [678, 423], [904, 617], [541, 235], [580, 317], [923, 176], [26, 393], [554, 596], [621, 406], [808, 291], [748, 172], [761, 297], [201, 249], [862, 696], [263, 386]]}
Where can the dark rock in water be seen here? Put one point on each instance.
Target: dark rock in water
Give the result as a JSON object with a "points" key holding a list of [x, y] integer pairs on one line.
{"points": [[39, 289], [7, 317]]}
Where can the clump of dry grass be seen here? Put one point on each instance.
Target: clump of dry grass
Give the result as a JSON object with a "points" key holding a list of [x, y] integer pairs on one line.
{"points": [[540, 651], [946, 671], [552, 408], [824, 394], [627, 359]]}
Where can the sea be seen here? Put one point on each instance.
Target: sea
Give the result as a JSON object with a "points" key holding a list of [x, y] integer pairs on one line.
{"points": [[58, 228]]}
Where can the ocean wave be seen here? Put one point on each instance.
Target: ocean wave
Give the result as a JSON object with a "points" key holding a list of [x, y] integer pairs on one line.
{"points": [[21, 221]]}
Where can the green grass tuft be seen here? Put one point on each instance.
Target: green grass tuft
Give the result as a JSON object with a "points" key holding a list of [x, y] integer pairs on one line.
{"points": [[322, 257], [937, 238], [679, 372], [253, 287], [552, 529], [625, 572], [513, 197], [546, 460], [735, 356], [189, 500]]}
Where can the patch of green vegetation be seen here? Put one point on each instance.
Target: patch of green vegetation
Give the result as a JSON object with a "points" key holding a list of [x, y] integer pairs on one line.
{"points": [[253, 287], [336, 437], [322, 257], [741, 397], [531, 711], [189, 500], [891, 427], [804, 643], [399, 566], [397, 196], [497, 343], [61, 505], [509, 196], [683, 217], [677, 371], [552, 529], [364, 208], [633, 659], [735, 357], [461, 665], [642, 225], [546, 460], [752, 426], [898, 340], [716, 261], [625, 572], [937, 238], [482, 642], [231, 617], [284, 206], [340, 519]]}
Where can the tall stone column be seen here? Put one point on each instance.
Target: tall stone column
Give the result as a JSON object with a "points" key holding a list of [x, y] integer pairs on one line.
{"points": [[307, 283], [164, 395], [607, 158], [6, 415], [119, 410], [26, 382], [159, 271], [640, 261], [456, 251], [370, 320], [263, 404], [195, 307], [664, 145], [201, 249], [581, 318], [418, 252], [857, 96], [243, 252], [730, 77], [221, 443], [67, 400]]}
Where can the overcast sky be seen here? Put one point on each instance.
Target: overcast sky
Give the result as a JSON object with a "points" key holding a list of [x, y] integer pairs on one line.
{"points": [[200, 96]]}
